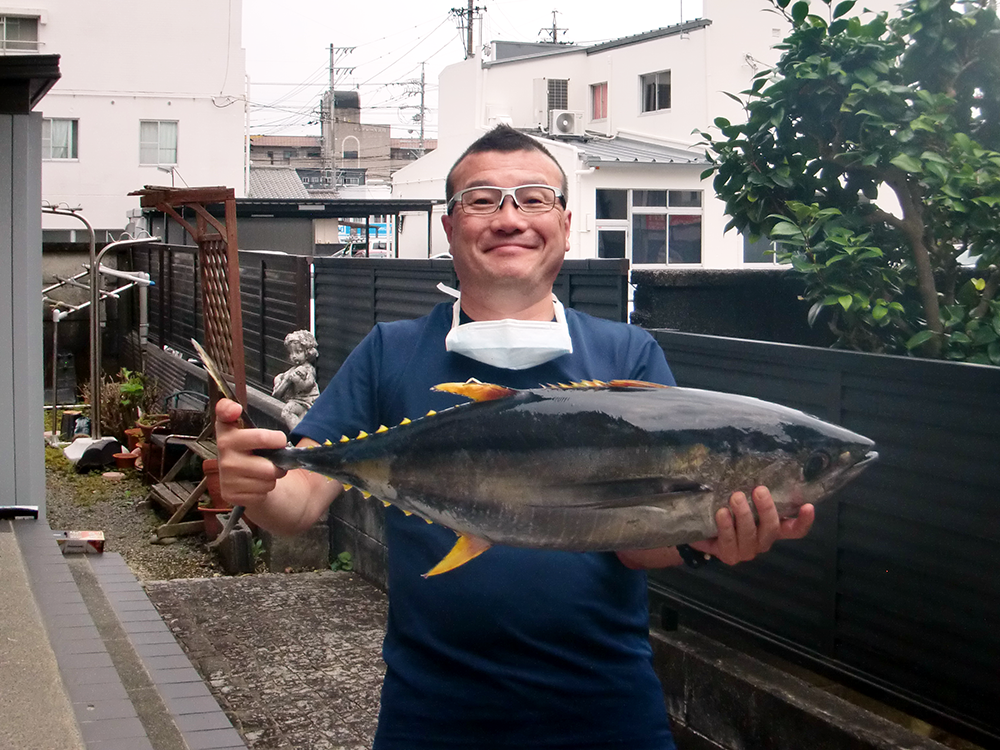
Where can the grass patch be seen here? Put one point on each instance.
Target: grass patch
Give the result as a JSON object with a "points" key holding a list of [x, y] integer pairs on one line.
{"points": [[91, 488]]}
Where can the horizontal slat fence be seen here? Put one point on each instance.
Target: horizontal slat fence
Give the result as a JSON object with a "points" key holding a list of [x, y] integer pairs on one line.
{"points": [[275, 290], [353, 294], [897, 588]]}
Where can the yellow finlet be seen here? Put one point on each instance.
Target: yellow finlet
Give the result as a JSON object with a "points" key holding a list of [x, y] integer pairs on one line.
{"points": [[386, 503], [345, 439], [382, 428], [466, 548], [431, 413], [407, 513], [366, 494], [406, 420], [361, 435], [327, 442]]}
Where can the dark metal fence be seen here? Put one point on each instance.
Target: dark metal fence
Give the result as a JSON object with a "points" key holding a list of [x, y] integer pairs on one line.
{"points": [[897, 588], [275, 292], [353, 294]]}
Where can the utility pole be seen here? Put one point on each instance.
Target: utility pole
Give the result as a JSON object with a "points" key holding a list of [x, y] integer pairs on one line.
{"points": [[555, 29], [330, 113], [466, 16], [422, 111]]}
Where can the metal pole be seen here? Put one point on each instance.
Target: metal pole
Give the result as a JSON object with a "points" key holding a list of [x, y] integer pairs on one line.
{"points": [[55, 375], [94, 370], [95, 330]]}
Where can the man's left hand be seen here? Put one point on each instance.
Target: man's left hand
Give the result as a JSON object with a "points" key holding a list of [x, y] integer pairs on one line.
{"points": [[741, 539]]}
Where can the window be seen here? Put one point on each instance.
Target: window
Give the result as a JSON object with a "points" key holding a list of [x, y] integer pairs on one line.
{"points": [[655, 91], [651, 227], [599, 101], [761, 251], [18, 33], [558, 93], [157, 142], [612, 204], [59, 139]]}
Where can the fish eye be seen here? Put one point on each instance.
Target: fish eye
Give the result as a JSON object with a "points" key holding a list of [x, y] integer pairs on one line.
{"points": [[816, 464]]}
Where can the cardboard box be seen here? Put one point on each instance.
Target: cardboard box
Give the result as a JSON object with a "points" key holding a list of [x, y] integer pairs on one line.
{"points": [[80, 542]]}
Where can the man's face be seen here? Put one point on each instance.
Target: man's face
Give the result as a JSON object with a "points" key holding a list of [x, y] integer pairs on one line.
{"points": [[507, 253]]}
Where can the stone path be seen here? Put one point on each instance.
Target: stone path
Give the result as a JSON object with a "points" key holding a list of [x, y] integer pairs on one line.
{"points": [[294, 660]]}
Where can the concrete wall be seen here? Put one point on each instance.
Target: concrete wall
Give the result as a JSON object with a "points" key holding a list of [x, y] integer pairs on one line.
{"points": [[760, 304]]}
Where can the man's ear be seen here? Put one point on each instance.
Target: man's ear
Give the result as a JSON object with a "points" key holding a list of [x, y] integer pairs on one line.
{"points": [[569, 217], [446, 223]]}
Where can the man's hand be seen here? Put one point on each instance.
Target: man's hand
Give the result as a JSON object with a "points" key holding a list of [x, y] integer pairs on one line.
{"points": [[740, 538], [246, 479]]}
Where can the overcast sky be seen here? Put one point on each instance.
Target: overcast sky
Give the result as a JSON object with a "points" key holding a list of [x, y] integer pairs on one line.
{"points": [[288, 49]]}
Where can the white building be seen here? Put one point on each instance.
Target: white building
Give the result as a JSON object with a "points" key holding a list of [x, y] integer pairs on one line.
{"points": [[622, 119], [150, 94]]}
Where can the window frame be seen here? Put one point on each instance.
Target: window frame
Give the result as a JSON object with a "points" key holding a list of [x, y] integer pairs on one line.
{"points": [[674, 206], [599, 101], [144, 145], [73, 145], [18, 45], [657, 86]]}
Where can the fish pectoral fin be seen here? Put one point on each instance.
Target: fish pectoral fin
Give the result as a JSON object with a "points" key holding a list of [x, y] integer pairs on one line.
{"points": [[474, 390], [466, 548], [629, 492]]}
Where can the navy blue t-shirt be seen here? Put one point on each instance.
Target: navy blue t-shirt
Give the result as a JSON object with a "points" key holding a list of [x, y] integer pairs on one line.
{"points": [[517, 648]]}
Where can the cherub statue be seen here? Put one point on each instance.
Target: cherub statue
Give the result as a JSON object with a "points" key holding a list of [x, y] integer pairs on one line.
{"points": [[296, 386]]}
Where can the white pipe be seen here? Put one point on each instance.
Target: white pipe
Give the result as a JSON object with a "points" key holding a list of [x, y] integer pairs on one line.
{"points": [[137, 277]]}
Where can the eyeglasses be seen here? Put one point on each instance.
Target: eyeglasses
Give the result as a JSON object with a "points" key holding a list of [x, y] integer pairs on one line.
{"points": [[487, 199]]}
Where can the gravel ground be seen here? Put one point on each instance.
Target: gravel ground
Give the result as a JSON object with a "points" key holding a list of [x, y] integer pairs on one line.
{"points": [[119, 508]]}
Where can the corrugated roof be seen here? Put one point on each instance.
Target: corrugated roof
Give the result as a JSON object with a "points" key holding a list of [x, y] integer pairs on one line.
{"points": [[276, 182], [620, 150]]}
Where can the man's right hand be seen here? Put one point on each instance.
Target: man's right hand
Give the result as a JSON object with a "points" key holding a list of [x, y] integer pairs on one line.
{"points": [[282, 504], [246, 479]]}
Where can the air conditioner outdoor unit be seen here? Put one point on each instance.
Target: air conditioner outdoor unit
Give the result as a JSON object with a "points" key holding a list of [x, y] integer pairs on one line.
{"points": [[565, 122]]}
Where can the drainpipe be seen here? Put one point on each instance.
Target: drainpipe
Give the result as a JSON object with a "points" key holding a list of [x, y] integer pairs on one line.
{"points": [[579, 174]]}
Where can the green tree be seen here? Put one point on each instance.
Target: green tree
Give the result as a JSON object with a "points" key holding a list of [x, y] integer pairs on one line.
{"points": [[855, 109]]}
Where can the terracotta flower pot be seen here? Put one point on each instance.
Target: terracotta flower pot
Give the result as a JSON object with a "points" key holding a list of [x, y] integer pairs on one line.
{"points": [[134, 436], [213, 525], [155, 422], [210, 468], [125, 460]]}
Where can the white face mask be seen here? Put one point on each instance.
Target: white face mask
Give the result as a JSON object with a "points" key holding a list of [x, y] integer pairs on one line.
{"points": [[510, 344]]}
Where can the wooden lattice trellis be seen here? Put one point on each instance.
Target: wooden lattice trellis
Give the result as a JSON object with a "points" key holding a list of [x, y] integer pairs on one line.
{"points": [[220, 270]]}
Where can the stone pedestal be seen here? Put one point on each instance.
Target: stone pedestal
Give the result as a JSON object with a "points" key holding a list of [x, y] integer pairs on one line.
{"points": [[309, 550]]}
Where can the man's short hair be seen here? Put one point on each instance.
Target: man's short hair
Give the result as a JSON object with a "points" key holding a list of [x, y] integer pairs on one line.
{"points": [[506, 139]]}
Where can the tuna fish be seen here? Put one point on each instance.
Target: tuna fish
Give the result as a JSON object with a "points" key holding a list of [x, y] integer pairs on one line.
{"points": [[589, 466]]}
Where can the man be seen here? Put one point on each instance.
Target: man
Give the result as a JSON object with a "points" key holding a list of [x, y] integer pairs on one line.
{"points": [[517, 648]]}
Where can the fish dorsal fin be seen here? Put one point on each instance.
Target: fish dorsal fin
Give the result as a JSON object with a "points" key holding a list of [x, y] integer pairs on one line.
{"points": [[474, 390], [605, 385]]}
